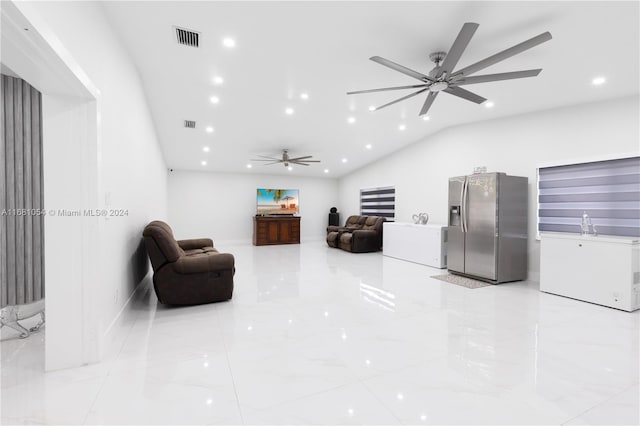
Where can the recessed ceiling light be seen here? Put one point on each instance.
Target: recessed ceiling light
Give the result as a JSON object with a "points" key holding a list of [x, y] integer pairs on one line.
{"points": [[489, 104], [368, 146], [205, 148], [288, 111], [218, 80], [304, 96], [326, 170], [598, 81], [209, 129], [344, 160], [289, 168], [249, 166], [204, 163], [229, 42], [214, 99], [426, 118], [372, 108], [402, 127], [351, 120]]}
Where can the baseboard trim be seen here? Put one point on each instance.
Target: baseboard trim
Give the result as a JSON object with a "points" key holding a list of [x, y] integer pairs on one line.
{"points": [[115, 331]]}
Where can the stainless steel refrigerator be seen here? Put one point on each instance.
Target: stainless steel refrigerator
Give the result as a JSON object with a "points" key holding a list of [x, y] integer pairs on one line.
{"points": [[487, 236]]}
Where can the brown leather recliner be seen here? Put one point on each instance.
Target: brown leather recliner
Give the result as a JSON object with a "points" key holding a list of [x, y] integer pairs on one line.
{"points": [[187, 272], [361, 234], [333, 232]]}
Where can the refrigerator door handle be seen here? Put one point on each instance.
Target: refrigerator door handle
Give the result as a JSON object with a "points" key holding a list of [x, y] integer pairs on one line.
{"points": [[463, 207]]}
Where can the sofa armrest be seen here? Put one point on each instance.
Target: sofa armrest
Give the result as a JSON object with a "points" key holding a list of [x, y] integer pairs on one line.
{"points": [[208, 262], [196, 243], [364, 233]]}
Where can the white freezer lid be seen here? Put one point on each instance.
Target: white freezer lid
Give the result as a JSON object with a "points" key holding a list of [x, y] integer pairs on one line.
{"points": [[578, 237], [415, 225]]}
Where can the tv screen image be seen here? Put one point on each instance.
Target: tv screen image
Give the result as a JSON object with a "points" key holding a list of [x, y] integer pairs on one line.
{"points": [[277, 202]]}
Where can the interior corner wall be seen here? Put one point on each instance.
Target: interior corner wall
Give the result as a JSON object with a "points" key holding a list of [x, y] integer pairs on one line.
{"points": [[222, 205], [515, 145], [132, 174]]}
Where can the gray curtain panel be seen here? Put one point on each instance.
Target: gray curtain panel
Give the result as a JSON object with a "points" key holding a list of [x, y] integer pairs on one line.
{"points": [[21, 194]]}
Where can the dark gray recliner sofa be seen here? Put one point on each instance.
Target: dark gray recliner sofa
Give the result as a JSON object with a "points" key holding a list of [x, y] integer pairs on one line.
{"points": [[361, 234], [187, 272]]}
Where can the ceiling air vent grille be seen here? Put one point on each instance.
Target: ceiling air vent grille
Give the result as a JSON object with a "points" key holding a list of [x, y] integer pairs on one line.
{"points": [[187, 37], [189, 124]]}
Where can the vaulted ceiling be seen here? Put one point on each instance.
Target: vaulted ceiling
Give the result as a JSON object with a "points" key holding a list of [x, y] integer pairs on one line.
{"points": [[322, 49]]}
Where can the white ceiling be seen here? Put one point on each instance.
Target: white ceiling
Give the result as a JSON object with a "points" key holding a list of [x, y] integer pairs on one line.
{"points": [[322, 48]]}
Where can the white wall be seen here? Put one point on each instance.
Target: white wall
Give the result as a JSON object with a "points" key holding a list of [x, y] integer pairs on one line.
{"points": [[515, 145], [222, 205], [131, 172]]}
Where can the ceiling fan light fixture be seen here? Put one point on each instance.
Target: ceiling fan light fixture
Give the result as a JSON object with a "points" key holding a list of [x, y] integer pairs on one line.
{"points": [[598, 81], [489, 104], [438, 86]]}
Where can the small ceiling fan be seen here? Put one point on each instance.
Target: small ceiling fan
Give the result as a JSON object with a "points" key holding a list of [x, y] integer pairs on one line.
{"points": [[301, 161], [442, 78]]}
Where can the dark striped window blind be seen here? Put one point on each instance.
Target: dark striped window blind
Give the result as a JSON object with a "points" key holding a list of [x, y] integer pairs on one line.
{"points": [[608, 191], [378, 202]]}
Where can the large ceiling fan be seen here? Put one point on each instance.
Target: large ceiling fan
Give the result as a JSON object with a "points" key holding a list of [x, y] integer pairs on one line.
{"points": [[301, 161], [443, 78]]}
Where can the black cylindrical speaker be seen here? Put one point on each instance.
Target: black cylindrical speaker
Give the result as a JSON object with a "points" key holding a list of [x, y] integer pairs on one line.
{"points": [[334, 219]]}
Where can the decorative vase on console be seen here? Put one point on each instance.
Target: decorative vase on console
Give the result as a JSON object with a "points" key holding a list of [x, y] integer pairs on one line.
{"points": [[421, 218]]}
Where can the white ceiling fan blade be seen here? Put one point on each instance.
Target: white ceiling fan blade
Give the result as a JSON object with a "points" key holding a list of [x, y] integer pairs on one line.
{"points": [[402, 98], [300, 158], [415, 86], [267, 157], [458, 47], [400, 68], [428, 102], [465, 94], [496, 77], [501, 56]]}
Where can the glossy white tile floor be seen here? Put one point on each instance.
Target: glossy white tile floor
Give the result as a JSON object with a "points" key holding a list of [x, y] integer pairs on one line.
{"points": [[315, 335]]}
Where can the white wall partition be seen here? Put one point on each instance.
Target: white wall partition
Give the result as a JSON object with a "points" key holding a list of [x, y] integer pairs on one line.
{"points": [[222, 205], [515, 145], [100, 152]]}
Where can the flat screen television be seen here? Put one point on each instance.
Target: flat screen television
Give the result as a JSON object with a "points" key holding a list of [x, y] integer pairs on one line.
{"points": [[277, 202]]}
